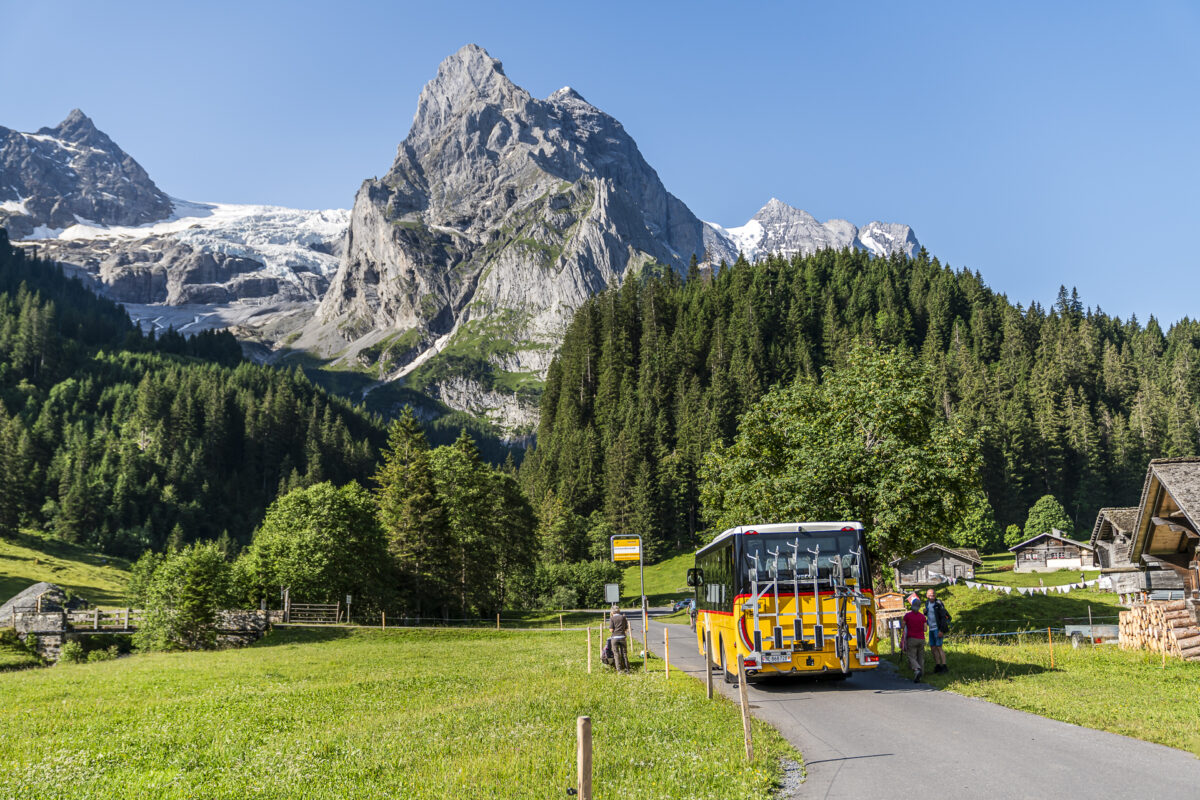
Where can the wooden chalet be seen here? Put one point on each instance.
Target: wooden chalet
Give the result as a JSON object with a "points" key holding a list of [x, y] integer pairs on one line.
{"points": [[933, 565], [1164, 538], [1052, 551], [1164, 544]]}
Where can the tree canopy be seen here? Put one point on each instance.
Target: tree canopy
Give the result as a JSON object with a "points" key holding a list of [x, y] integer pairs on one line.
{"points": [[864, 444]]}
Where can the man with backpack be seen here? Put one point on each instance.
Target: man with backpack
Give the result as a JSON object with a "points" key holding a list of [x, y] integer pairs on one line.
{"points": [[938, 619], [619, 626]]}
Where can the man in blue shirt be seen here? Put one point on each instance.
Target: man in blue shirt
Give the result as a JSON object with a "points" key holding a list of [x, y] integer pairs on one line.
{"points": [[937, 618]]}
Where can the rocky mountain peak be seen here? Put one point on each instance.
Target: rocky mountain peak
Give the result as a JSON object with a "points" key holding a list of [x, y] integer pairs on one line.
{"points": [[77, 127], [72, 172], [467, 79]]}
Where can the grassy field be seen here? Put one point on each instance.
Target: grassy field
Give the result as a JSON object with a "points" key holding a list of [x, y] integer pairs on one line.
{"points": [[981, 611], [1104, 688], [666, 581], [30, 558], [991, 573], [14, 656], [369, 714]]}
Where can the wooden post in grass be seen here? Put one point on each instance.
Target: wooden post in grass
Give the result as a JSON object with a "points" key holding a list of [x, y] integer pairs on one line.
{"points": [[497, 620], [666, 653], [1092, 625], [583, 758], [589, 650], [560, 622], [708, 657], [383, 620], [1050, 639], [95, 619], [744, 697]]}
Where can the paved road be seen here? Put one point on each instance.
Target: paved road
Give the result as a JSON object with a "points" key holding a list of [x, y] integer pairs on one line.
{"points": [[880, 735]]}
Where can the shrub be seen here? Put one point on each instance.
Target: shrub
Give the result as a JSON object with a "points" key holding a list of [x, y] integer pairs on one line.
{"points": [[8, 636], [71, 653], [102, 655]]}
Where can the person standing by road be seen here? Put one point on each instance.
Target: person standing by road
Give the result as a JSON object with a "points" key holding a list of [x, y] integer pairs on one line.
{"points": [[913, 643], [619, 625], [938, 620]]}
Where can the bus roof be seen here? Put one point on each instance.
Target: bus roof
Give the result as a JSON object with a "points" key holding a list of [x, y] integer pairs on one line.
{"points": [[783, 527]]}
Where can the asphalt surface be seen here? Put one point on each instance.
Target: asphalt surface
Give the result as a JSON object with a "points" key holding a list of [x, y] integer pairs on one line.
{"points": [[880, 735]]}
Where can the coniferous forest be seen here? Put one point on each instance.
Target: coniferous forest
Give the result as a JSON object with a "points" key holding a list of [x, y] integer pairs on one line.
{"points": [[1065, 400], [123, 441]]}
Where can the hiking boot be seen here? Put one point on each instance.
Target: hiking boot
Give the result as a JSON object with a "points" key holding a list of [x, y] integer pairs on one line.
{"points": [[917, 677]]}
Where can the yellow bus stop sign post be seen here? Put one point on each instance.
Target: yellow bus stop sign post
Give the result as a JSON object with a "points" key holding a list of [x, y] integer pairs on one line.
{"points": [[629, 548]]}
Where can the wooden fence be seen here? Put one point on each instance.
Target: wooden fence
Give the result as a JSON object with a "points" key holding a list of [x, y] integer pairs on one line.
{"points": [[123, 619]]}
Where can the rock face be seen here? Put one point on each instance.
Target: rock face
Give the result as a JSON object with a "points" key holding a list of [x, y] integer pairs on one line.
{"points": [[70, 173], [500, 209], [781, 229]]}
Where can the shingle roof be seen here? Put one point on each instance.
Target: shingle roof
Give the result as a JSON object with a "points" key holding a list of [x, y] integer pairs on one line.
{"points": [[1063, 539], [1181, 478], [1123, 519], [963, 552]]}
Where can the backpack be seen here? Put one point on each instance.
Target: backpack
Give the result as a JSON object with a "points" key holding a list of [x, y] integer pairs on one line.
{"points": [[943, 617]]}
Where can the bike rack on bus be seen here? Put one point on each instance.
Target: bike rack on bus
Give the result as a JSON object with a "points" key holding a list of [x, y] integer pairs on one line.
{"points": [[843, 593]]}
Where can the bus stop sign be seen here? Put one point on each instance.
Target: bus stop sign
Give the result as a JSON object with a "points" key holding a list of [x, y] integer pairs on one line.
{"points": [[627, 549]]}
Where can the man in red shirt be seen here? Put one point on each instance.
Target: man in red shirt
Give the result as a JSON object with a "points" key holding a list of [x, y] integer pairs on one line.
{"points": [[913, 640]]}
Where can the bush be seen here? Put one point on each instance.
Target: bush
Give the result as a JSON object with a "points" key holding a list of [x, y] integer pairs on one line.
{"points": [[8, 636], [102, 655], [578, 585], [72, 653], [183, 594]]}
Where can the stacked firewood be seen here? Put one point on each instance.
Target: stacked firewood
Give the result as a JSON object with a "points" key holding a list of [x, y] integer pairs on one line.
{"points": [[1169, 626]]}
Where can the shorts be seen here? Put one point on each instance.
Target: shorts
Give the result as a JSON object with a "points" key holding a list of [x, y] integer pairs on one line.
{"points": [[935, 638]]}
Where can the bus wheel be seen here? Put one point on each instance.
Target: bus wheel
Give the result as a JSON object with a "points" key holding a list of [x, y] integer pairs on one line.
{"points": [[730, 677]]}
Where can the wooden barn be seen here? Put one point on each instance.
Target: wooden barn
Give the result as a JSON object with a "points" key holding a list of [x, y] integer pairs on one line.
{"points": [[1052, 551], [933, 565], [1165, 536], [1165, 544]]}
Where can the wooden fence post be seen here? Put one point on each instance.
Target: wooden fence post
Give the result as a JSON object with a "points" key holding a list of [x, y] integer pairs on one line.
{"points": [[560, 622], [744, 697], [708, 665], [127, 619], [497, 620], [1050, 639], [383, 620], [589, 650], [583, 758], [95, 619], [666, 653]]}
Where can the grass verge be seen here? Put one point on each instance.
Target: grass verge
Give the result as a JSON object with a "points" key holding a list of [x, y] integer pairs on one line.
{"points": [[1105, 688], [371, 714]]}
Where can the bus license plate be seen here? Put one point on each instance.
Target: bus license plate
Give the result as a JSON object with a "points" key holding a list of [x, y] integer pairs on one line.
{"points": [[777, 658]]}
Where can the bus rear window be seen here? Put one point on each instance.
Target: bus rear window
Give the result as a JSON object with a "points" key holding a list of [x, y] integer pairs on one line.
{"points": [[790, 555]]}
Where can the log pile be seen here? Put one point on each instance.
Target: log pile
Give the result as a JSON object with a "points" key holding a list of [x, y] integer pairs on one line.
{"points": [[1156, 627]]}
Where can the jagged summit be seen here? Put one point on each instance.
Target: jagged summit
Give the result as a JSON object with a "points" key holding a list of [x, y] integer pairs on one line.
{"points": [[59, 176], [498, 205], [783, 229]]}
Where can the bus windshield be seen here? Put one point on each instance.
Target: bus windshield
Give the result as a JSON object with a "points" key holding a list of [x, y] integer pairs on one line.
{"points": [[788, 556]]}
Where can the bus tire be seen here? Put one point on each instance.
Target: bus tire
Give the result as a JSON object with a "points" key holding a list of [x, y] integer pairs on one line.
{"points": [[729, 677]]}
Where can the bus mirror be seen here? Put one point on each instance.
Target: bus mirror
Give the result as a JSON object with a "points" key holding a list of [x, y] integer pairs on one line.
{"points": [[695, 577]]}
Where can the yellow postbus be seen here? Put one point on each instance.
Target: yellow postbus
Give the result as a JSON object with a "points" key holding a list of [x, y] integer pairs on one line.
{"points": [[791, 599]]}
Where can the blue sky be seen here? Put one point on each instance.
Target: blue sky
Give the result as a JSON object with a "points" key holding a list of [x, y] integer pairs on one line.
{"points": [[1041, 144]]}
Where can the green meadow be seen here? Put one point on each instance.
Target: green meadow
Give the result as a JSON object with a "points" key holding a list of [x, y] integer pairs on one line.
{"points": [[362, 713]]}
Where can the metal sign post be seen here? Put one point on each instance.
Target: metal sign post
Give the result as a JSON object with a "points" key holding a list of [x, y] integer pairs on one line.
{"points": [[348, 599], [629, 548]]}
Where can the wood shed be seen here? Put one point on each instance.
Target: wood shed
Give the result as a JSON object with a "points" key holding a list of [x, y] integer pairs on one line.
{"points": [[933, 565]]}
